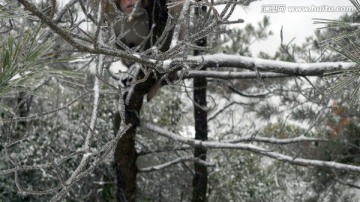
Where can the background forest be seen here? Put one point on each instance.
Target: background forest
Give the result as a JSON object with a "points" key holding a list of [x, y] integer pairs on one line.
{"points": [[277, 127]]}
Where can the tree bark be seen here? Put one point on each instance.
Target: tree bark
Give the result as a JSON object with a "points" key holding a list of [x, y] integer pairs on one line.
{"points": [[125, 155], [125, 159], [201, 129]]}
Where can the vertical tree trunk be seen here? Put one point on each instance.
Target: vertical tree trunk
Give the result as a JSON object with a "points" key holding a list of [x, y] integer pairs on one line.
{"points": [[201, 129], [125, 159], [125, 155], [200, 178]]}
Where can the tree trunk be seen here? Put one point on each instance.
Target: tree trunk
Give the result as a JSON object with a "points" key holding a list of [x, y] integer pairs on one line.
{"points": [[201, 129], [125, 155], [200, 178], [125, 159]]}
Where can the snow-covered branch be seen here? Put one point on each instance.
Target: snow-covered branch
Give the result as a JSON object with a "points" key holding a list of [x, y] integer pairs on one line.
{"points": [[85, 44], [257, 64], [234, 75], [81, 46], [252, 148], [170, 149], [101, 154], [41, 115], [272, 140], [86, 146], [176, 161], [277, 68]]}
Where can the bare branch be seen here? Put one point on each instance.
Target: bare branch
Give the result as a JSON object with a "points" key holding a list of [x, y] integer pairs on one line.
{"points": [[80, 46], [183, 148], [235, 75], [176, 161], [37, 116], [254, 149], [261, 65], [271, 140]]}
